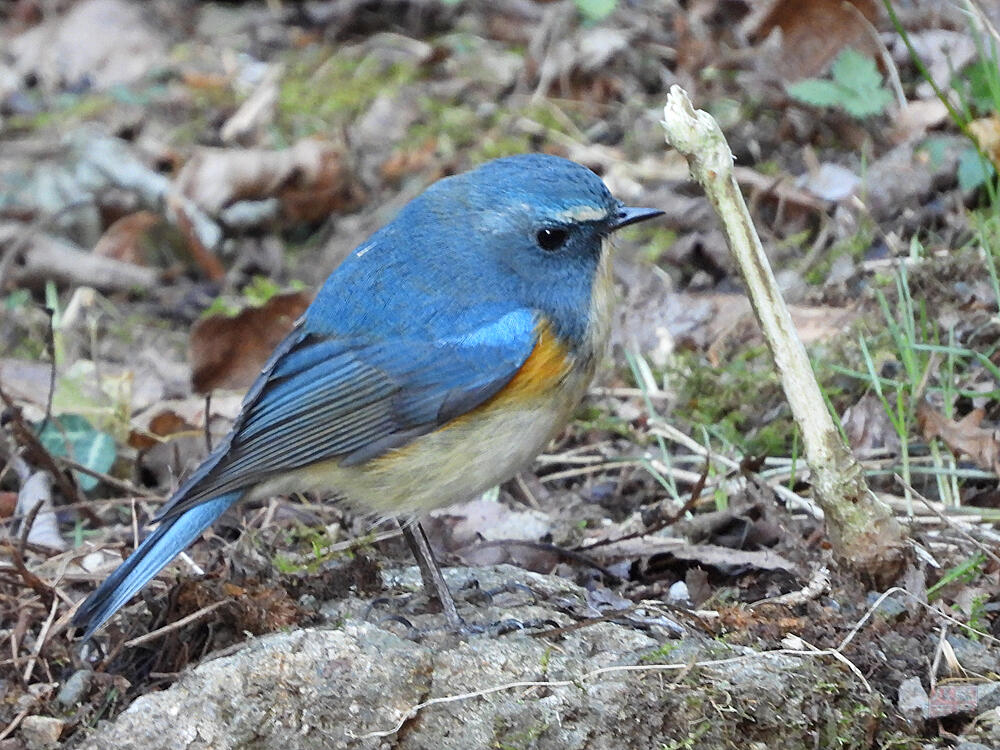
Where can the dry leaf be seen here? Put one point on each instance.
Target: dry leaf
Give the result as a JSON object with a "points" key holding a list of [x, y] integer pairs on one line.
{"points": [[814, 32], [310, 180], [986, 131], [229, 352], [163, 424], [706, 555], [128, 239], [963, 437], [868, 427], [916, 118], [103, 42], [36, 493]]}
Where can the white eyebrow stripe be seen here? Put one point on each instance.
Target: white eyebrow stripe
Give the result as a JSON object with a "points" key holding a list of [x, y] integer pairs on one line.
{"points": [[582, 213]]}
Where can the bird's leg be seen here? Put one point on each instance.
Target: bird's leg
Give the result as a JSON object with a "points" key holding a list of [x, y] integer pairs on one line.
{"points": [[433, 578]]}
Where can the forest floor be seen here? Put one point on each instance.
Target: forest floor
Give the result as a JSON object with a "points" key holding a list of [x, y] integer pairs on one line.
{"points": [[177, 178]]}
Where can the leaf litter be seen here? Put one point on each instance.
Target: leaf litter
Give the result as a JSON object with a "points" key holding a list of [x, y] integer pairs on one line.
{"points": [[170, 169]]}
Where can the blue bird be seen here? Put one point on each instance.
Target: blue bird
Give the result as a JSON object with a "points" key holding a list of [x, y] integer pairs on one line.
{"points": [[436, 361]]}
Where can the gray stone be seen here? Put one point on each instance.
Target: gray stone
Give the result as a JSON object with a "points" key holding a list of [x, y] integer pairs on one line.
{"points": [[75, 688], [40, 732], [974, 656], [913, 699], [602, 686]]}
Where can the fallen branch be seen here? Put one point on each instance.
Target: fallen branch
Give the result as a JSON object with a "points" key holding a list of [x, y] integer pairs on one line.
{"points": [[864, 533]]}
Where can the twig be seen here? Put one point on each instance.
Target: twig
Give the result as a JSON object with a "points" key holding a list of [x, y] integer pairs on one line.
{"points": [[948, 522], [899, 590], [790, 498], [208, 421], [29, 521], [160, 632], [818, 584], [864, 533], [16, 722], [50, 346], [119, 484], [40, 640]]}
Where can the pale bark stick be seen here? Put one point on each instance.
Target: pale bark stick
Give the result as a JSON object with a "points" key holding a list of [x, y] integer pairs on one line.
{"points": [[864, 533]]}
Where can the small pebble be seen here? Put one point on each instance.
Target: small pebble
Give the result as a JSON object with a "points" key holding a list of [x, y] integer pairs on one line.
{"points": [[41, 732], [913, 700], [678, 594], [76, 688]]}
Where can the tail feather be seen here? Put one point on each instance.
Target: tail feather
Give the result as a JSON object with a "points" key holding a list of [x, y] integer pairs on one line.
{"points": [[149, 558]]}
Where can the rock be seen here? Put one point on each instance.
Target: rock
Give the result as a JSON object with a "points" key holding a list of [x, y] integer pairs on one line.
{"points": [[602, 686], [41, 732], [75, 688], [971, 699], [912, 699], [974, 656], [678, 594]]}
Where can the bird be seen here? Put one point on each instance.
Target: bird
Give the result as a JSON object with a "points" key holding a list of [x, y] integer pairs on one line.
{"points": [[436, 361]]}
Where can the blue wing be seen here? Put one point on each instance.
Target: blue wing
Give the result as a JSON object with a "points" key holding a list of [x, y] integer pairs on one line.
{"points": [[324, 397]]}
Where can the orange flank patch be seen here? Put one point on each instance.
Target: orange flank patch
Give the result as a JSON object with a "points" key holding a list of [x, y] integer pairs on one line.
{"points": [[538, 378], [547, 364]]}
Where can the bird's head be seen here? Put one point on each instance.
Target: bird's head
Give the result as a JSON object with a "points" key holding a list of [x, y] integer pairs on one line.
{"points": [[531, 226], [536, 213]]}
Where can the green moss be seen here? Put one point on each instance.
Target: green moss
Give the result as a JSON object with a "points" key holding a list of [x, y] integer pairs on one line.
{"points": [[316, 543], [67, 110], [255, 294], [660, 655], [691, 740], [517, 740], [322, 91], [653, 241], [593, 417], [715, 397]]}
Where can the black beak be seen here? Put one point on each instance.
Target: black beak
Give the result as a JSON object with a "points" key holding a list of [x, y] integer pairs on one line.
{"points": [[628, 216]]}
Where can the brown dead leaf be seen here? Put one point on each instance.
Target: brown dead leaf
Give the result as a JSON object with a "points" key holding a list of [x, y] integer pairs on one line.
{"points": [[229, 352], [986, 131], [916, 118], [8, 501], [963, 437], [404, 162], [868, 427], [311, 179], [172, 437], [128, 239], [814, 32], [203, 257], [163, 424]]}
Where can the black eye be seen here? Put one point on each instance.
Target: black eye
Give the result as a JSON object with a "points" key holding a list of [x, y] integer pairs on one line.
{"points": [[551, 238]]}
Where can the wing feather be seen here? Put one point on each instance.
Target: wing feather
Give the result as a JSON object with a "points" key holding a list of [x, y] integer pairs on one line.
{"points": [[322, 397]]}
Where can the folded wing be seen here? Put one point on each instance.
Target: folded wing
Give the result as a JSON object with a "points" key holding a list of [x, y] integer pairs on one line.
{"points": [[325, 397]]}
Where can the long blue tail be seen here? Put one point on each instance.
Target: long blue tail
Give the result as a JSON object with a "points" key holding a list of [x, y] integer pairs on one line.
{"points": [[149, 558]]}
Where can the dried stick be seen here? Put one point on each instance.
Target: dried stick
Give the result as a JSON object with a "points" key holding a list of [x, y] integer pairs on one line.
{"points": [[864, 533]]}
